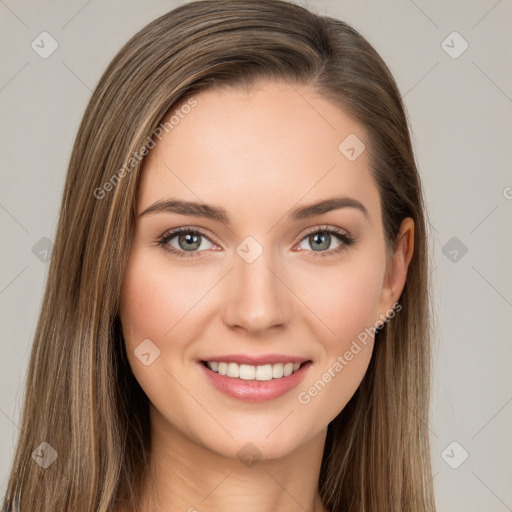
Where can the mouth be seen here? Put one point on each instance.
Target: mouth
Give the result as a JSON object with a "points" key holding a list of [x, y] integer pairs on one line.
{"points": [[255, 383]]}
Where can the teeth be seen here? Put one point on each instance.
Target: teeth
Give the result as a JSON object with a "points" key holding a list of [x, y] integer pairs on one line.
{"points": [[277, 371], [249, 372], [233, 370]]}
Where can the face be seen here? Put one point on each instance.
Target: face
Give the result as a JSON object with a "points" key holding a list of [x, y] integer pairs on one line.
{"points": [[253, 272]]}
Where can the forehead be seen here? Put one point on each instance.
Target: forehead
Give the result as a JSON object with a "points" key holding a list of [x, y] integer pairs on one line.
{"points": [[273, 144]]}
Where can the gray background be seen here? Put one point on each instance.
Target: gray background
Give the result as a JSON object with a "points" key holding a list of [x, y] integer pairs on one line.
{"points": [[460, 109]]}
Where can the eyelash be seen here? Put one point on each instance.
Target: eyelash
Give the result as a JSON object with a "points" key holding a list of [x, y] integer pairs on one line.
{"points": [[346, 240]]}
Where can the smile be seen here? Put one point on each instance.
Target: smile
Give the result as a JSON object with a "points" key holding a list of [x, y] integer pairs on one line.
{"points": [[254, 383]]}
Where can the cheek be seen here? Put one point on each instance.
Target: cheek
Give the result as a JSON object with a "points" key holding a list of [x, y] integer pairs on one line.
{"points": [[348, 304], [357, 299], [152, 299], [152, 303], [346, 299]]}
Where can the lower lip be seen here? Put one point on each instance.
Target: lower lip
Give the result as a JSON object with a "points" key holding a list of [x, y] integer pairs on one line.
{"points": [[255, 390]]}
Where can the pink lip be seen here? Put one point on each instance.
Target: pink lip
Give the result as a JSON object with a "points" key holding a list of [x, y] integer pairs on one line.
{"points": [[256, 360], [255, 390]]}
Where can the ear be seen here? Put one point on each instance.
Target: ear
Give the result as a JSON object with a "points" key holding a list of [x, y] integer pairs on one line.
{"points": [[396, 274]]}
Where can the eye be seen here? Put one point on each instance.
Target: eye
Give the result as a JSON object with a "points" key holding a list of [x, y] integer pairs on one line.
{"points": [[321, 239], [184, 242], [187, 242]]}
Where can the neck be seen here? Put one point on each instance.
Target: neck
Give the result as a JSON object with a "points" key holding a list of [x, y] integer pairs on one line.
{"points": [[185, 475]]}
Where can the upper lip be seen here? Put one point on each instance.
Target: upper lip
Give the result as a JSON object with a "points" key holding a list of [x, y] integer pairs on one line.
{"points": [[257, 360]]}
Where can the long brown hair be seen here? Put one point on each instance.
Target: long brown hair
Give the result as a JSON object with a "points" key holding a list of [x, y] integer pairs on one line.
{"points": [[81, 396]]}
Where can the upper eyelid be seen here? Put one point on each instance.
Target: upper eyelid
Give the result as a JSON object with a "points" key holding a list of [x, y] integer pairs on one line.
{"points": [[326, 227]]}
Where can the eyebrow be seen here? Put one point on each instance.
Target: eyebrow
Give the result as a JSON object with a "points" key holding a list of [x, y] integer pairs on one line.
{"points": [[219, 214]]}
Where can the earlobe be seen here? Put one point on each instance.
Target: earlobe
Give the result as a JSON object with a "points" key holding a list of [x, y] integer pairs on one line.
{"points": [[396, 276]]}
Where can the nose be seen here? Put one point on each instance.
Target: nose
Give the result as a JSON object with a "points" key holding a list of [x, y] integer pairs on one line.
{"points": [[256, 298]]}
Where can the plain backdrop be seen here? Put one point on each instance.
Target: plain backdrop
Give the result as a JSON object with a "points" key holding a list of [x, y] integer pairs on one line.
{"points": [[459, 101]]}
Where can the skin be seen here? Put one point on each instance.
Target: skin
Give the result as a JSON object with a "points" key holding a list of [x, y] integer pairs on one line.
{"points": [[256, 154]]}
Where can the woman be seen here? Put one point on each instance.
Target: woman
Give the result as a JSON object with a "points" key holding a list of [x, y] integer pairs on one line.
{"points": [[236, 312]]}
